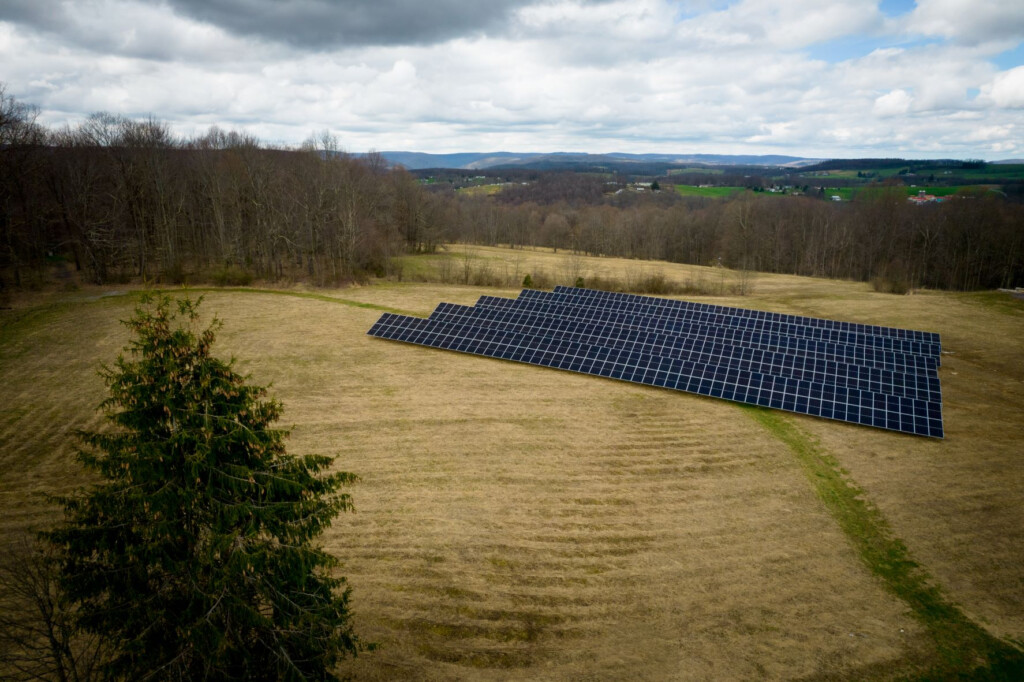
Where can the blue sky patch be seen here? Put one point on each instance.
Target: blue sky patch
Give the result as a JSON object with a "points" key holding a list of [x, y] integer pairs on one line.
{"points": [[855, 47], [849, 47], [895, 8], [686, 11], [1010, 59]]}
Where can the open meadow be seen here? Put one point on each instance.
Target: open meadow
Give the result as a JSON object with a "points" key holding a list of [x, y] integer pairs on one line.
{"points": [[514, 522]]}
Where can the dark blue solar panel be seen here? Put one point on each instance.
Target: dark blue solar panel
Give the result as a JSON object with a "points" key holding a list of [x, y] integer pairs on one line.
{"points": [[874, 330], [649, 305], [697, 349], [864, 355], [703, 352]]}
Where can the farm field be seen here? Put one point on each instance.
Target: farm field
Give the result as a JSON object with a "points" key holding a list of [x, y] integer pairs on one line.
{"points": [[713, 192], [1008, 171], [849, 193], [845, 193], [999, 170], [522, 523], [483, 189]]}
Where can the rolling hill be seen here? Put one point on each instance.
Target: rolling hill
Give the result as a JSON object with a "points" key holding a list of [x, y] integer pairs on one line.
{"points": [[570, 160]]}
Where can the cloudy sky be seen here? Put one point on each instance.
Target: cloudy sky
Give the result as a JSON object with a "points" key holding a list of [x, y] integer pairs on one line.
{"points": [[823, 78]]}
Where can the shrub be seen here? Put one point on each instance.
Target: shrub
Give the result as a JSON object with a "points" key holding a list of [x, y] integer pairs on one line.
{"points": [[232, 276], [175, 273], [889, 284]]}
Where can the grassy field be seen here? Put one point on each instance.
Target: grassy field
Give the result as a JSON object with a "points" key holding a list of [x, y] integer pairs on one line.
{"points": [[1006, 171], [522, 523], [996, 170], [712, 192], [849, 193], [483, 189], [845, 193], [505, 268]]}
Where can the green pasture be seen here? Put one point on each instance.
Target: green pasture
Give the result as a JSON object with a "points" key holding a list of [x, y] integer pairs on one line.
{"points": [[1007, 171], [850, 193], [713, 192]]}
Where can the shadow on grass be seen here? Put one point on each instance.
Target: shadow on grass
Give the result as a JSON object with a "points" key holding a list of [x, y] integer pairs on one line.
{"points": [[282, 292]]}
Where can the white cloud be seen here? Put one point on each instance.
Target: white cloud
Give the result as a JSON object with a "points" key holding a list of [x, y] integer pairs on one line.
{"points": [[893, 103], [562, 75], [770, 24], [1007, 89], [970, 22], [990, 133]]}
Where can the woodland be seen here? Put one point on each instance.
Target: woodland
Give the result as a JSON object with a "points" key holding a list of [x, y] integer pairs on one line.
{"points": [[114, 199]]}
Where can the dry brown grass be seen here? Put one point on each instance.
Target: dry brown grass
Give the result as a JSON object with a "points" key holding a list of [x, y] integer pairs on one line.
{"points": [[515, 522], [503, 267]]}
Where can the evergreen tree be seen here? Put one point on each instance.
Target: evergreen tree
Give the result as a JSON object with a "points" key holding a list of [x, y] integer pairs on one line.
{"points": [[193, 554]]}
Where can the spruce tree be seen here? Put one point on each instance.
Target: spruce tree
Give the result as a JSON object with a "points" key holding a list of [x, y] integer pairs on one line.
{"points": [[193, 553]]}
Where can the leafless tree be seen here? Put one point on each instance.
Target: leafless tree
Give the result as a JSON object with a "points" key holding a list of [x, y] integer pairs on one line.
{"points": [[38, 636]]}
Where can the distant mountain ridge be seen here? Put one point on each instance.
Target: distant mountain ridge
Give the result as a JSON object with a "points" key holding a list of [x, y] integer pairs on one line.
{"points": [[482, 160]]}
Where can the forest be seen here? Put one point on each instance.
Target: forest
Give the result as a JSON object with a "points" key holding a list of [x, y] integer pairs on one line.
{"points": [[970, 242], [115, 199]]}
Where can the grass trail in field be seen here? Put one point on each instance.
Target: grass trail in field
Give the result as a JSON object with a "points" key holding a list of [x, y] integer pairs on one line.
{"points": [[962, 647], [283, 292]]}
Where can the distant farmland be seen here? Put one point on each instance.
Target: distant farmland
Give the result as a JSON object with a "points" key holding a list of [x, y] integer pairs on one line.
{"points": [[849, 193], [846, 193], [713, 192]]}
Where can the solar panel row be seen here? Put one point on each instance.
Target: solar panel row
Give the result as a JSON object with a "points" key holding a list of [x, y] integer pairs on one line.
{"points": [[654, 306], [930, 337], [888, 381], [860, 354], [699, 349]]}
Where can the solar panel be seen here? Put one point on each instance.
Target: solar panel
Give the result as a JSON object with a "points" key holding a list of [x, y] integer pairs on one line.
{"points": [[651, 305], [869, 356], [698, 351], [915, 335]]}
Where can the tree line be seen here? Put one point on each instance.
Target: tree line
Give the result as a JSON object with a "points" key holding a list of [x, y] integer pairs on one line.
{"points": [[115, 198], [971, 241]]}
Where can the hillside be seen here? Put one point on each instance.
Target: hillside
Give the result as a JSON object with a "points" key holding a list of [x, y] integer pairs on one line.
{"points": [[516, 522], [569, 160]]}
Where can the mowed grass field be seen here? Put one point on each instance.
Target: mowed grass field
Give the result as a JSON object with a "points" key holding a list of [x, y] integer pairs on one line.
{"points": [[712, 192], [849, 193], [515, 522], [845, 193]]}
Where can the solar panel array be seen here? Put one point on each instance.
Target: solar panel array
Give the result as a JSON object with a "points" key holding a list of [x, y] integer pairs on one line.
{"points": [[865, 374]]}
